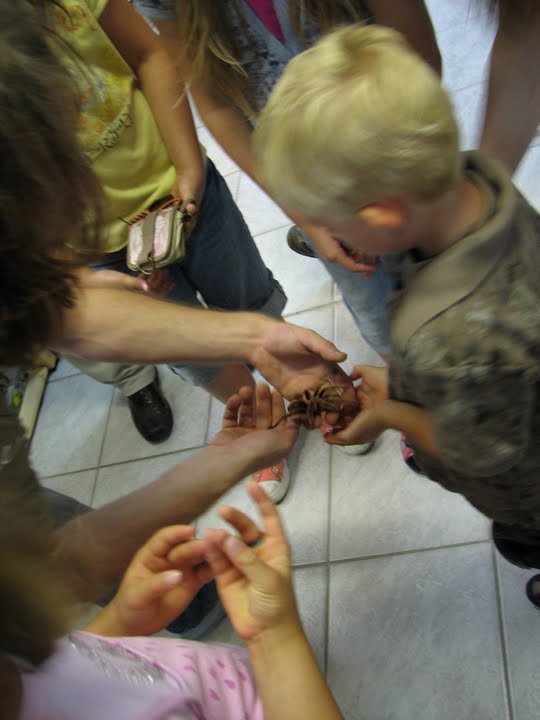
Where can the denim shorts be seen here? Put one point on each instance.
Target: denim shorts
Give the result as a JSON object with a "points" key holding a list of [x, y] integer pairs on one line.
{"points": [[222, 268]]}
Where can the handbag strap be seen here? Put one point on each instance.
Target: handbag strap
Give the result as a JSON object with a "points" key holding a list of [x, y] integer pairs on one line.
{"points": [[147, 249]]}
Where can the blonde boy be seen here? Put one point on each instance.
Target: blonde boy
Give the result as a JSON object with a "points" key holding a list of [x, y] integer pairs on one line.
{"points": [[359, 136]]}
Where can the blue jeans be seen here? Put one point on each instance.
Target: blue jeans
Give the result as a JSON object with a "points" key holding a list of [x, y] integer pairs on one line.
{"points": [[222, 265], [366, 300]]}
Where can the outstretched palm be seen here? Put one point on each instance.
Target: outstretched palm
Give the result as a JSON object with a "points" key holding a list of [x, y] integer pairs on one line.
{"points": [[248, 423]]}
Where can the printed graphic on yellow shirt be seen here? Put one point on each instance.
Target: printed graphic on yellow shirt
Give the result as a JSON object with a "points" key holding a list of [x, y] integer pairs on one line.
{"points": [[103, 79]]}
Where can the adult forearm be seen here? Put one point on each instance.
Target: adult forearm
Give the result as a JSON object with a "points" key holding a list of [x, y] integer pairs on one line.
{"points": [[289, 680], [411, 420], [98, 546], [117, 325]]}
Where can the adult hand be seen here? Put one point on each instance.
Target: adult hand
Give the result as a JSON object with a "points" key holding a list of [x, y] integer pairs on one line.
{"points": [[89, 278], [330, 249], [155, 589], [254, 583], [294, 359], [247, 426]]}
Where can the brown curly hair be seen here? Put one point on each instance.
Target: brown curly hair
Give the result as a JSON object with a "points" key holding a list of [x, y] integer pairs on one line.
{"points": [[48, 194]]}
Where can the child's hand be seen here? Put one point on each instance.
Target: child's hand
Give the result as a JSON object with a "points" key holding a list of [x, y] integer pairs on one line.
{"points": [[333, 251], [365, 428], [374, 387], [247, 422], [254, 583], [189, 187], [368, 424], [154, 589], [159, 282]]}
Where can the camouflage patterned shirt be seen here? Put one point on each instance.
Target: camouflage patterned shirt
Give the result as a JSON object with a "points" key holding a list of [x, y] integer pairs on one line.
{"points": [[466, 347]]}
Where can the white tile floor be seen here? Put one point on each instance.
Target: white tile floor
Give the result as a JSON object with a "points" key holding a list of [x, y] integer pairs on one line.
{"points": [[411, 613]]}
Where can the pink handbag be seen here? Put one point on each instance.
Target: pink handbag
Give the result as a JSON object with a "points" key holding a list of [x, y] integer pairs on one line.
{"points": [[157, 237]]}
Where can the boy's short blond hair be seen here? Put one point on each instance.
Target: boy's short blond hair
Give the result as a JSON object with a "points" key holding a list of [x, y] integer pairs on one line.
{"points": [[357, 118]]}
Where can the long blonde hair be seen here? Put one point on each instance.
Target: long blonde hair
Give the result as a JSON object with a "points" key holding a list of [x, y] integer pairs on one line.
{"points": [[208, 41]]}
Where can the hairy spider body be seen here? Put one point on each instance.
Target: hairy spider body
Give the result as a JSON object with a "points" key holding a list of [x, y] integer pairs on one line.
{"points": [[327, 397]]}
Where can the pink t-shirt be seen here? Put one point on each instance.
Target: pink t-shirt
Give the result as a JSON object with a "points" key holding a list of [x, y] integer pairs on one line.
{"points": [[267, 13], [95, 678]]}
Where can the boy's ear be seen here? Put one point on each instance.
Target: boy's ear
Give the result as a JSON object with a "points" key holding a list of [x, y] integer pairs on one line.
{"points": [[390, 214]]}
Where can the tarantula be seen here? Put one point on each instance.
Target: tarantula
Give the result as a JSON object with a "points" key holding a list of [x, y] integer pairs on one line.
{"points": [[327, 397]]}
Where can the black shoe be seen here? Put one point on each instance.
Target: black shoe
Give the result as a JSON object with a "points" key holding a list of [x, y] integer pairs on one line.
{"points": [[151, 413], [201, 616], [297, 242], [519, 545], [532, 588]]}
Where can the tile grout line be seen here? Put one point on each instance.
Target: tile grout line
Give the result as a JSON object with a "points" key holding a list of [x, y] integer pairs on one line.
{"points": [[330, 304], [267, 232], [103, 440], [340, 561], [208, 418], [123, 462], [502, 634]]}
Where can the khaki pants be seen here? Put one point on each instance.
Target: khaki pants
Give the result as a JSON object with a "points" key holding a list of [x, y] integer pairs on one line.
{"points": [[129, 379]]}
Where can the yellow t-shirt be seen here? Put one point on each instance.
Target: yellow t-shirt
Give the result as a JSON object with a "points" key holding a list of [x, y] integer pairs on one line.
{"points": [[116, 129]]}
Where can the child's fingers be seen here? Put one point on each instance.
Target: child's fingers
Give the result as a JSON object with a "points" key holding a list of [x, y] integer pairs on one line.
{"points": [[222, 568], [248, 563], [188, 554], [164, 540], [357, 372], [353, 433], [230, 414], [246, 411], [273, 526], [244, 525], [278, 409], [153, 587], [204, 573], [264, 418]]}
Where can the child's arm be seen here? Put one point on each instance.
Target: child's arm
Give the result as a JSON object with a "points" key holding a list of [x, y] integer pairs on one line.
{"points": [[380, 413], [160, 83], [475, 417], [409, 419], [255, 587], [411, 18]]}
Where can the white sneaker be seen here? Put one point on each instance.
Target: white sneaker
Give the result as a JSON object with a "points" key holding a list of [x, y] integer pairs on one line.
{"points": [[274, 480], [356, 449]]}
